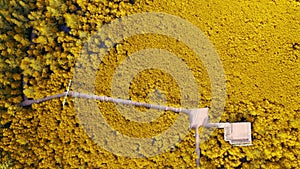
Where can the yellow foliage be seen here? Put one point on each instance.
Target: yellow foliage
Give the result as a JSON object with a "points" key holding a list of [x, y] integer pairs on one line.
{"points": [[258, 49], [71, 20], [41, 39], [6, 165], [19, 17], [56, 3], [24, 5], [21, 39], [29, 92], [15, 21]]}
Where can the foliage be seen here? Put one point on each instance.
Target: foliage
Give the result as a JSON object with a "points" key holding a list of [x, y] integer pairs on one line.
{"points": [[258, 43]]}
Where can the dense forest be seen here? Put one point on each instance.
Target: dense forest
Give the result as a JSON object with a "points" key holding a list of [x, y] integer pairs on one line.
{"points": [[258, 43]]}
